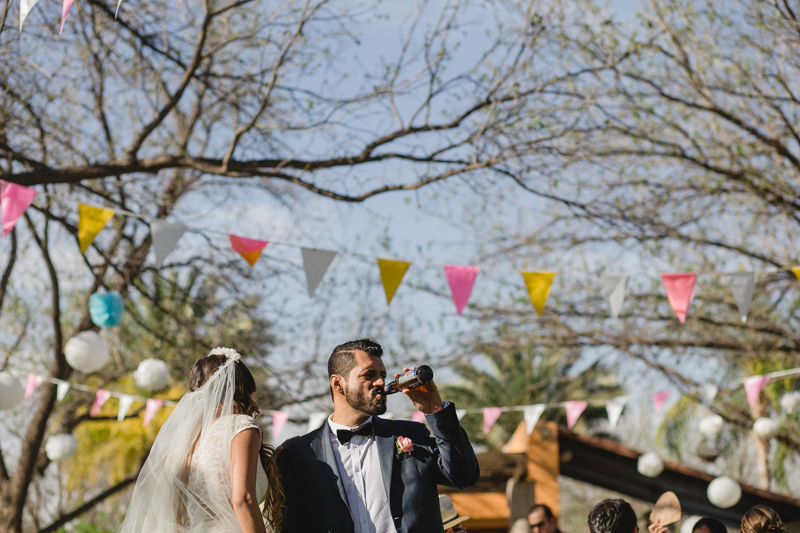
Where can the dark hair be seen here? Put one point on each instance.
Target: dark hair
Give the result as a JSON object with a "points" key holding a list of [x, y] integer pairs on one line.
{"points": [[713, 525], [547, 512], [612, 516], [343, 357], [762, 519]]}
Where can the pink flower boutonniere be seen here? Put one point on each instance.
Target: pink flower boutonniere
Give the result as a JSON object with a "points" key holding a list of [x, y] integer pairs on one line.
{"points": [[404, 444]]}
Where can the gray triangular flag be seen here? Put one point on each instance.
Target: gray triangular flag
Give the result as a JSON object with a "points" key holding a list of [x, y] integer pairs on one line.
{"points": [[25, 7], [614, 408], [612, 286], [742, 285], [125, 403], [165, 236], [315, 420], [316, 263], [460, 413], [62, 390], [709, 392], [532, 414]]}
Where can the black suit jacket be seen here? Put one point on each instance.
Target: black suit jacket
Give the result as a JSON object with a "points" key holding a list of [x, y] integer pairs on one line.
{"points": [[315, 496]]}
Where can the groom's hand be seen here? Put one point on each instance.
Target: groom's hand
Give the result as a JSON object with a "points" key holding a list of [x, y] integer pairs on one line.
{"points": [[425, 397]]}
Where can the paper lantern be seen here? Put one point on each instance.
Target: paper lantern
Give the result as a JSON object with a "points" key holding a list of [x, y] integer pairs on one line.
{"points": [[650, 464], [151, 375], [688, 523], [765, 428], [60, 447], [86, 352], [11, 391], [711, 425], [724, 492], [790, 402], [105, 309]]}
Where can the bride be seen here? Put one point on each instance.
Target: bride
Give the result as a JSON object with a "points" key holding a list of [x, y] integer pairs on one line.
{"points": [[208, 470]]}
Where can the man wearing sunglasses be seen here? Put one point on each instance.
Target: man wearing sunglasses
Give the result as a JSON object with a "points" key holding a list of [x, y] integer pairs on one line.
{"points": [[542, 520]]}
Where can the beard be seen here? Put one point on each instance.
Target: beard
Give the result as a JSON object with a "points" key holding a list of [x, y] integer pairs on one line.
{"points": [[368, 403]]}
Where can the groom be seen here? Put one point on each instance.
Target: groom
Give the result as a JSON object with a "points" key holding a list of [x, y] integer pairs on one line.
{"points": [[359, 473]]}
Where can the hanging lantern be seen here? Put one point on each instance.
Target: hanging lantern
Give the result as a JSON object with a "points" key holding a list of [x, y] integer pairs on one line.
{"points": [[710, 425], [11, 391], [151, 375], [687, 526], [86, 352], [105, 309], [650, 464], [724, 492], [790, 402], [765, 428], [60, 447]]}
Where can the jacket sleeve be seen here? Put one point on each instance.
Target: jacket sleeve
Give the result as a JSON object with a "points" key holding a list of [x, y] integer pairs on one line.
{"points": [[290, 521], [458, 466]]}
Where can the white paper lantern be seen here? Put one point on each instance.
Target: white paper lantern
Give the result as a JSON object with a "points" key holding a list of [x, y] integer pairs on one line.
{"points": [[11, 391], [688, 523], [724, 492], [60, 447], [151, 375], [650, 464], [765, 428], [790, 402], [711, 425], [86, 352]]}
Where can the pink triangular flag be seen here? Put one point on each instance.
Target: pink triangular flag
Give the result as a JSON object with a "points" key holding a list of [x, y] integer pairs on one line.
{"points": [[418, 416], [151, 407], [680, 292], [490, 416], [100, 397], [461, 280], [250, 249], [14, 200], [34, 380], [279, 419], [64, 12], [658, 400], [753, 386], [574, 411]]}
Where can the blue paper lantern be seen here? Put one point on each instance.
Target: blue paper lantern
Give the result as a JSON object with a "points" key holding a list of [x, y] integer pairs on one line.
{"points": [[105, 309]]}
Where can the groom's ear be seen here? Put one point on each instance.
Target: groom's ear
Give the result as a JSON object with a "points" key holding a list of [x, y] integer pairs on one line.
{"points": [[337, 383]]}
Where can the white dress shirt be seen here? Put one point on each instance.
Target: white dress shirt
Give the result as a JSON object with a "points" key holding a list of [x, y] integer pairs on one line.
{"points": [[360, 470]]}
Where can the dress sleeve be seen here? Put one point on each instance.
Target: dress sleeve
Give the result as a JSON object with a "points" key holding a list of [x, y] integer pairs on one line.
{"points": [[242, 422]]}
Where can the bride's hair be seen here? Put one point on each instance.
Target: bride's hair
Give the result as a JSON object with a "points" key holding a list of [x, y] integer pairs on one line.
{"points": [[243, 401], [762, 519]]}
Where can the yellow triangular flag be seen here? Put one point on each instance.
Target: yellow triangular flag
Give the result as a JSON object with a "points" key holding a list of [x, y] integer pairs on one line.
{"points": [[392, 273], [91, 220], [796, 272], [538, 284]]}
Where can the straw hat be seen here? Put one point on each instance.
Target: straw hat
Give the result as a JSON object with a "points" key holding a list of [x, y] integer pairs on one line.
{"points": [[449, 515]]}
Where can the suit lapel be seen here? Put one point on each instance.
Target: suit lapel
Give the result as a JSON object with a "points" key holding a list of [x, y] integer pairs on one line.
{"points": [[321, 445], [386, 448]]}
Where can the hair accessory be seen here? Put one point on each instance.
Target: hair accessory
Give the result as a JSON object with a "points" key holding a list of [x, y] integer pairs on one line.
{"points": [[230, 353]]}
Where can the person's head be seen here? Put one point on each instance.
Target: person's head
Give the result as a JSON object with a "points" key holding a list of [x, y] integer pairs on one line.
{"points": [[541, 519], [244, 389], [451, 522], [709, 525], [762, 519], [612, 516], [357, 376]]}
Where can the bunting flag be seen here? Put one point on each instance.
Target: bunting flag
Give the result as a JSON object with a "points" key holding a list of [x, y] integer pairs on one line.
{"points": [[392, 273], [614, 408], [62, 389], [64, 12], [708, 393], [490, 416], [742, 285], [680, 292], [125, 402], [532, 414], [612, 287], [250, 249], [316, 419], [116, 11], [461, 280], [796, 272], [316, 263], [418, 416], [538, 284], [460, 413], [14, 200], [753, 386], [574, 411], [165, 236], [151, 407], [279, 419], [25, 7], [659, 398], [91, 220], [34, 380], [100, 397]]}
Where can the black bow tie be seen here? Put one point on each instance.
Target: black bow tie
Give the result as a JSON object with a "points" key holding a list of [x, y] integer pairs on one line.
{"points": [[344, 435]]}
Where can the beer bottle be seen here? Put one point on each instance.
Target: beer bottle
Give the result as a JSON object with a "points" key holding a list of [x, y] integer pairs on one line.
{"points": [[411, 379]]}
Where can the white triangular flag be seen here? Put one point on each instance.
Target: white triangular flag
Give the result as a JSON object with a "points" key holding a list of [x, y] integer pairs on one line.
{"points": [[315, 420], [125, 402], [614, 408], [612, 287], [165, 235], [25, 7], [62, 390], [742, 285], [316, 263], [709, 392], [532, 414], [460, 413]]}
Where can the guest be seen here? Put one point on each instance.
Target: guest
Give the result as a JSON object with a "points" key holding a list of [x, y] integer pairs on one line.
{"points": [[709, 525], [762, 519], [613, 516], [542, 520], [451, 522]]}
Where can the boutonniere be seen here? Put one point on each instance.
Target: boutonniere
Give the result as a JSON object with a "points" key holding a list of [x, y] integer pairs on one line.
{"points": [[404, 444]]}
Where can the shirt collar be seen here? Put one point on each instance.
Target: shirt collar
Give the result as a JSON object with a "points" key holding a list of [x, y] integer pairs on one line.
{"points": [[334, 426]]}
